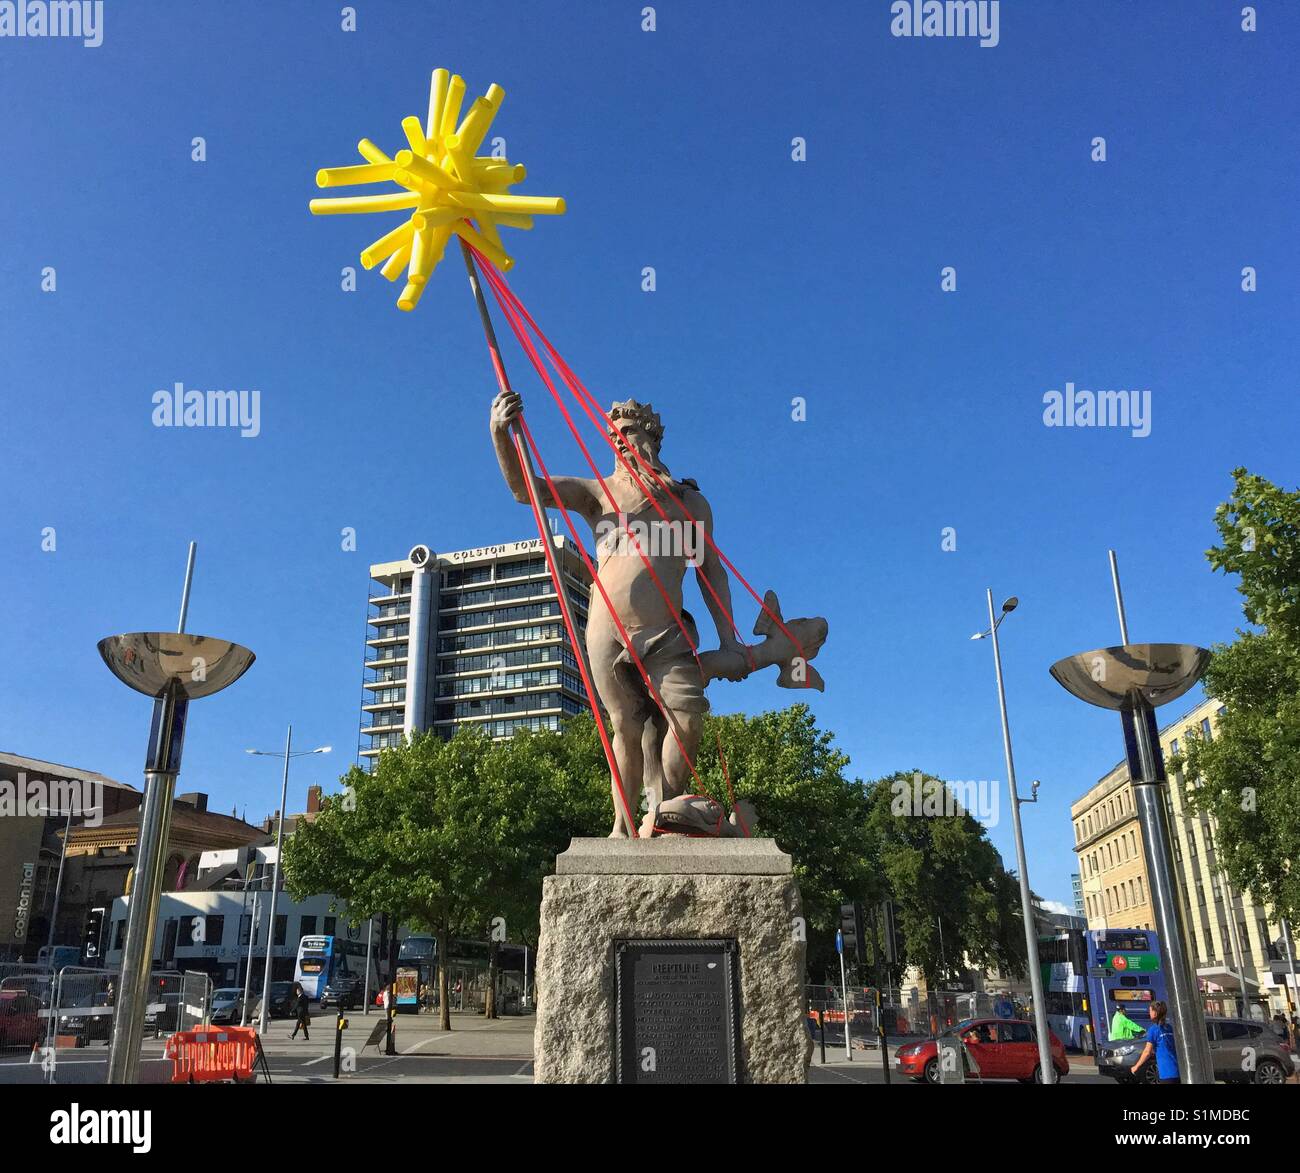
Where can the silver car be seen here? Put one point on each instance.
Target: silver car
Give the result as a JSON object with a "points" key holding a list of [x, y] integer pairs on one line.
{"points": [[1243, 1051]]}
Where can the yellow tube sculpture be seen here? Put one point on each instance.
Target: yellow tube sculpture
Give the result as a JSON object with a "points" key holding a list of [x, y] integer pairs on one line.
{"points": [[449, 190]]}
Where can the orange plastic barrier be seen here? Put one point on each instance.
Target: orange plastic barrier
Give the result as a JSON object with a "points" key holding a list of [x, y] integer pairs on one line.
{"points": [[213, 1054]]}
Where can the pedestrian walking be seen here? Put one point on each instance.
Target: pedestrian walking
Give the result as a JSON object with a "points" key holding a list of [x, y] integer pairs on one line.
{"points": [[1160, 1046], [302, 1008]]}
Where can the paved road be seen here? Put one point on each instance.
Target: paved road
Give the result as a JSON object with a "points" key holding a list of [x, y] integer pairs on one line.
{"points": [[475, 1051]]}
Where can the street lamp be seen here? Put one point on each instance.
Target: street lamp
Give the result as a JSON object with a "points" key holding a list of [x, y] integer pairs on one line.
{"points": [[286, 753], [47, 812], [252, 940], [173, 669], [1047, 1073], [1135, 679]]}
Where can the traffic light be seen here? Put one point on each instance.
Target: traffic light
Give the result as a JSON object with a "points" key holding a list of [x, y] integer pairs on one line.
{"points": [[888, 932], [852, 925], [848, 926], [92, 936]]}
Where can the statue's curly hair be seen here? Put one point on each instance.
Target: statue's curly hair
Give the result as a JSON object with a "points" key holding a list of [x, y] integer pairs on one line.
{"points": [[642, 413]]}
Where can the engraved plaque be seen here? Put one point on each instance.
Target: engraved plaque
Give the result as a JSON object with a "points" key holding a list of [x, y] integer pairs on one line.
{"points": [[677, 1011]]}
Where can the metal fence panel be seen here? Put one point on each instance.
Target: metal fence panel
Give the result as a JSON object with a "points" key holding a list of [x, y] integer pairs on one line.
{"points": [[196, 1000]]}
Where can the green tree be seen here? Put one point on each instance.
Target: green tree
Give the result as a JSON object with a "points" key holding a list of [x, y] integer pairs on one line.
{"points": [[954, 902], [1248, 776], [541, 789], [414, 839]]}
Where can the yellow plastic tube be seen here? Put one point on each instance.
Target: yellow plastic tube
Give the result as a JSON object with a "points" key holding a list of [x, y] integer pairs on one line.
{"points": [[529, 205], [462, 160], [414, 134], [485, 222], [494, 254], [387, 244], [497, 174], [397, 262], [495, 94], [451, 107], [427, 252], [437, 98], [434, 217], [375, 203], [473, 130], [410, 296], [363, 173], [512, 220], [422, 169], [372, 153]]}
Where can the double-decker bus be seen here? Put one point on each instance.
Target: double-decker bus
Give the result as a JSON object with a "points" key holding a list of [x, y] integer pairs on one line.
{"points": [[322, 960], [1088, 974]]}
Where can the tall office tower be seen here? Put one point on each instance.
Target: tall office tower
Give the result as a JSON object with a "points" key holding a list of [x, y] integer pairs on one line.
{"points": [[472, 637]]}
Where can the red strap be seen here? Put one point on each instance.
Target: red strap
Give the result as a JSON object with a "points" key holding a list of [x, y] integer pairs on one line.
{"points": [[500, 288]]}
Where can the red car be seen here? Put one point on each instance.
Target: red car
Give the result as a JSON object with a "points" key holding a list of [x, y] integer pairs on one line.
{"points": [[20, 1021], [999, 1048]]}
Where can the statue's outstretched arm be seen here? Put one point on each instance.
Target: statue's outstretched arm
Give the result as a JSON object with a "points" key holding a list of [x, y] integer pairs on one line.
{"points": [[575, 493]]}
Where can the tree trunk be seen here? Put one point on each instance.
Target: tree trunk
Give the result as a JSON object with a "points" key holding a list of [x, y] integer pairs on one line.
{"points": [[444, 990], [490, 1002]]}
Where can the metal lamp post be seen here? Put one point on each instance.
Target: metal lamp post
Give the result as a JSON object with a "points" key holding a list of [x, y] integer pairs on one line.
{"points": [[173, 669], [286, 753], [248, 960], [1135, 679], [1047, 1073], [46, 812]]}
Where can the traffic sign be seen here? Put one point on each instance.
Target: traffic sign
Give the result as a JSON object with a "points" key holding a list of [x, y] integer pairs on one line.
{"points": [[839, 942]]}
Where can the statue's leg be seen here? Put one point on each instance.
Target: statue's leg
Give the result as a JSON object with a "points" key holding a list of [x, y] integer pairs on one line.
{"points": [[678, 776], [626, 707]]}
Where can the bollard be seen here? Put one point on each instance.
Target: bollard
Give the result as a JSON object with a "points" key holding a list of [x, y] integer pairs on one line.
{"points": [[340, 1025], [880, 1027]]}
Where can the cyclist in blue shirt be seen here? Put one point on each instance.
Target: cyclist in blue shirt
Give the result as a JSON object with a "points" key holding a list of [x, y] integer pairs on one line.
{"points": [[1160, 1044]]}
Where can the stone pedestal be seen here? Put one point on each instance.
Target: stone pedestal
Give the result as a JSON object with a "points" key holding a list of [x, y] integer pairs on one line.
{"points": [[607, 890]]}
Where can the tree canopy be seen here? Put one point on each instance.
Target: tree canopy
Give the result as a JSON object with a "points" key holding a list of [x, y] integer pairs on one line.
{"points": [[1248, 775]]}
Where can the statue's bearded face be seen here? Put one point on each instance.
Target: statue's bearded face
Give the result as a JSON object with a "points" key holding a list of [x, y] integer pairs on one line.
{"points": [[630, 434]]}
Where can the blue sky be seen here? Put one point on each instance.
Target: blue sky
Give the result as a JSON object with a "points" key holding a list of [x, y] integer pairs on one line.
{"points": [[775, 279]]}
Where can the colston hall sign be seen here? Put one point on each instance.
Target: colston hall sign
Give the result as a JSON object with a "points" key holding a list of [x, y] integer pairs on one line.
{"points": [[23, 909]]}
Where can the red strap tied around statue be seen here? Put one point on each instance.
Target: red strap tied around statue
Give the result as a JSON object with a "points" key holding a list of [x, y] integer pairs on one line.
{"points": [[526, 343], [604, 424], [514, 312], [543, 532]]}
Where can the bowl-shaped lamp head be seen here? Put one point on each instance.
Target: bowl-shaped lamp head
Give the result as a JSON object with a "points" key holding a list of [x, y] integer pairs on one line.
{"points": [[152, 661], [1133, 675]]}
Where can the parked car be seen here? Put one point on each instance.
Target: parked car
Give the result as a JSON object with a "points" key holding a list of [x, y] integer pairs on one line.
{"points": [[227, 1005], [345, 993], [20, 1019], [1243, 1051], [1000, 1049], [282, 1005]]}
